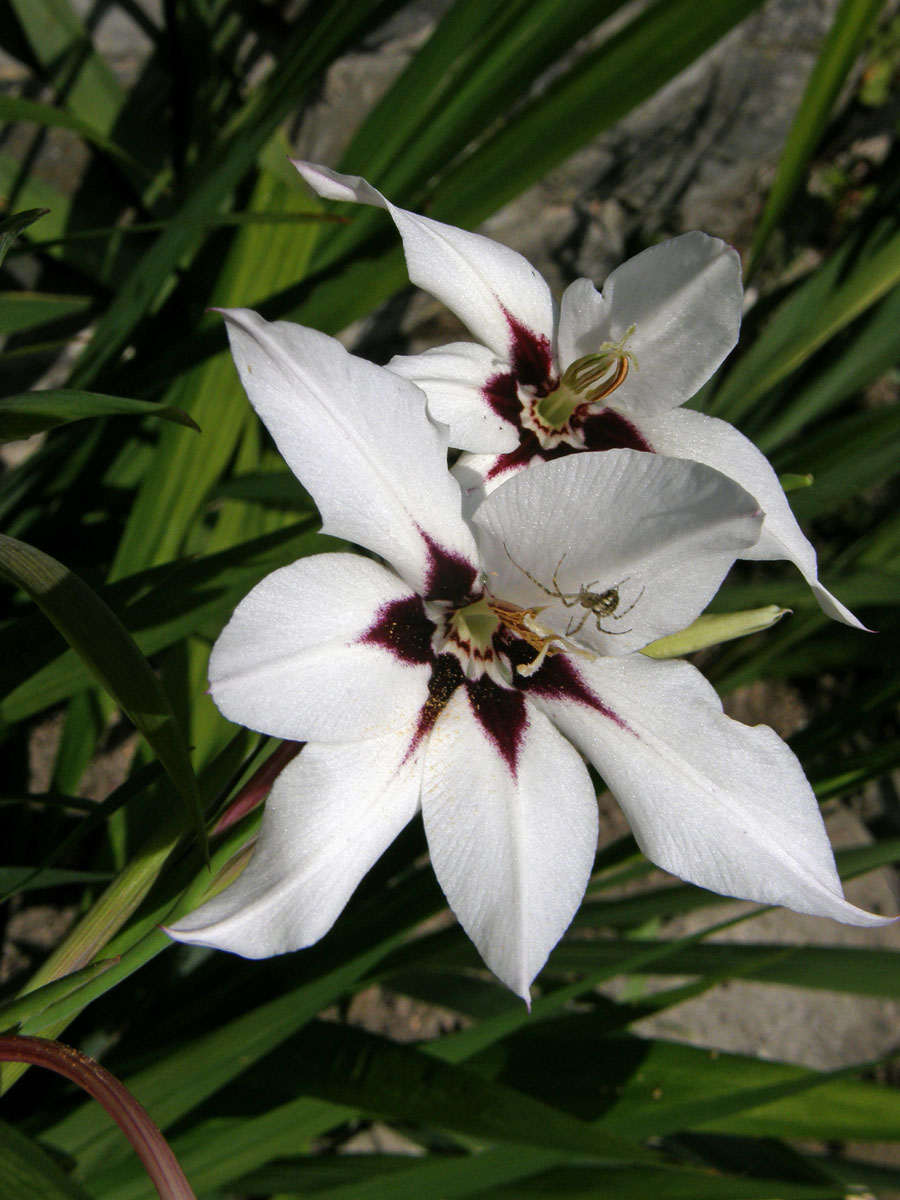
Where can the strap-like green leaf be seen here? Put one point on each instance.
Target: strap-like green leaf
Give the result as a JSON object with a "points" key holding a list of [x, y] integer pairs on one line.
{"points": [[11, 227], [27, 1171], [852, 24], [32, 412], [20, 311], [107, 648], [15, 1011]]}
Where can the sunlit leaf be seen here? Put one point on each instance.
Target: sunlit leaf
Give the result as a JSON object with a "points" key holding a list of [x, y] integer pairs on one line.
{"points": [[32, 412]]}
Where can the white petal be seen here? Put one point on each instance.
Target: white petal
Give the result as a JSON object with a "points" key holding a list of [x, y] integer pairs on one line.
{"points": [[688, 434], [358, 439], [480, 280], [661, 531], [720, 804], [291, 661], [684, 299], [330, 816], [453, 378], [478, 475], [512, 849]]}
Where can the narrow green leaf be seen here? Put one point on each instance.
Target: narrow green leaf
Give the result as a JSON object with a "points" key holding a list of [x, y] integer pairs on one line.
{"points": [[95, 98], [403, 1177], [848, 284], [856, 971], [848, 456], [605, 84], [316, 37], [654, 1088], [11, 227], [109, 651], [500, 1174], [21, 311], [866, 351], [175, 1085], [483, 58], [161, 606], [26, 879], [17, 108], [32, 412], [13, 1012], [216, 1151], [346, 1065], [96, 816], [852, 24], [276, 489], [102, 262], [27, 1171], [178, 483]]}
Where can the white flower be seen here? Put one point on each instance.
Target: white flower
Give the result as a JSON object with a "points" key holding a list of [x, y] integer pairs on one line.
{"points": [[468, 680], [607, 369]]}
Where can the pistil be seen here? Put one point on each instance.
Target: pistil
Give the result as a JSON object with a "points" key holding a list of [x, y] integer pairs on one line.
{"points": [[475, 626]]}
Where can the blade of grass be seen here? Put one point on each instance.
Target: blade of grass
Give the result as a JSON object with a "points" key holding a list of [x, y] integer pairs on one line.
{"points": [[33, 412], [852, 24], [109, 652], [606, 83]]}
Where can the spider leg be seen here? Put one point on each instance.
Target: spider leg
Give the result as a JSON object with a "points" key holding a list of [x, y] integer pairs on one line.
{"points": [[529, 575], [611, 632], [625, 611], [559, 592], [569, 599], [572, 628]]}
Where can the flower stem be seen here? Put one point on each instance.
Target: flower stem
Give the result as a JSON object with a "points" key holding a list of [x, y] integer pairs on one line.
{"points": [[149, 1144]]}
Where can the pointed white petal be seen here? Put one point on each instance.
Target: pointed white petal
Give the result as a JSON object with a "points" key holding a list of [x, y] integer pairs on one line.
{"points": [[684, 299], [482, 281], [688, 434], [659, 531], [295, 660], [720, 804], [332, 813], [454, 379], [512, 847], [359, 440]]}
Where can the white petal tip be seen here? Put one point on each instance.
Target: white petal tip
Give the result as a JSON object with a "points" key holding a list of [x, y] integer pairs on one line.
{"points": [[859, 916], [331, 185], [833, 608]]}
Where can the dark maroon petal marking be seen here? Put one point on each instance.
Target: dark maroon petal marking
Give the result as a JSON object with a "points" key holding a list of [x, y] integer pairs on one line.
{"points": [[502, 715], [604, 430], [558, 679], [528, 448], [449, 575], [402, 627], [607, 430], [531, 357], [445, 679], [502, 395]]}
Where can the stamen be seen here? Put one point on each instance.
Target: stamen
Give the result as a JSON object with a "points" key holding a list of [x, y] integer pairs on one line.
{"points": [[595, 377], [588, 380], [524, 624]]}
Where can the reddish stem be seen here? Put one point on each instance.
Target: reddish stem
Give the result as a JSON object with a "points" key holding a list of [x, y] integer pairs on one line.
{"points": [[258, 785], [149, 1144]]}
